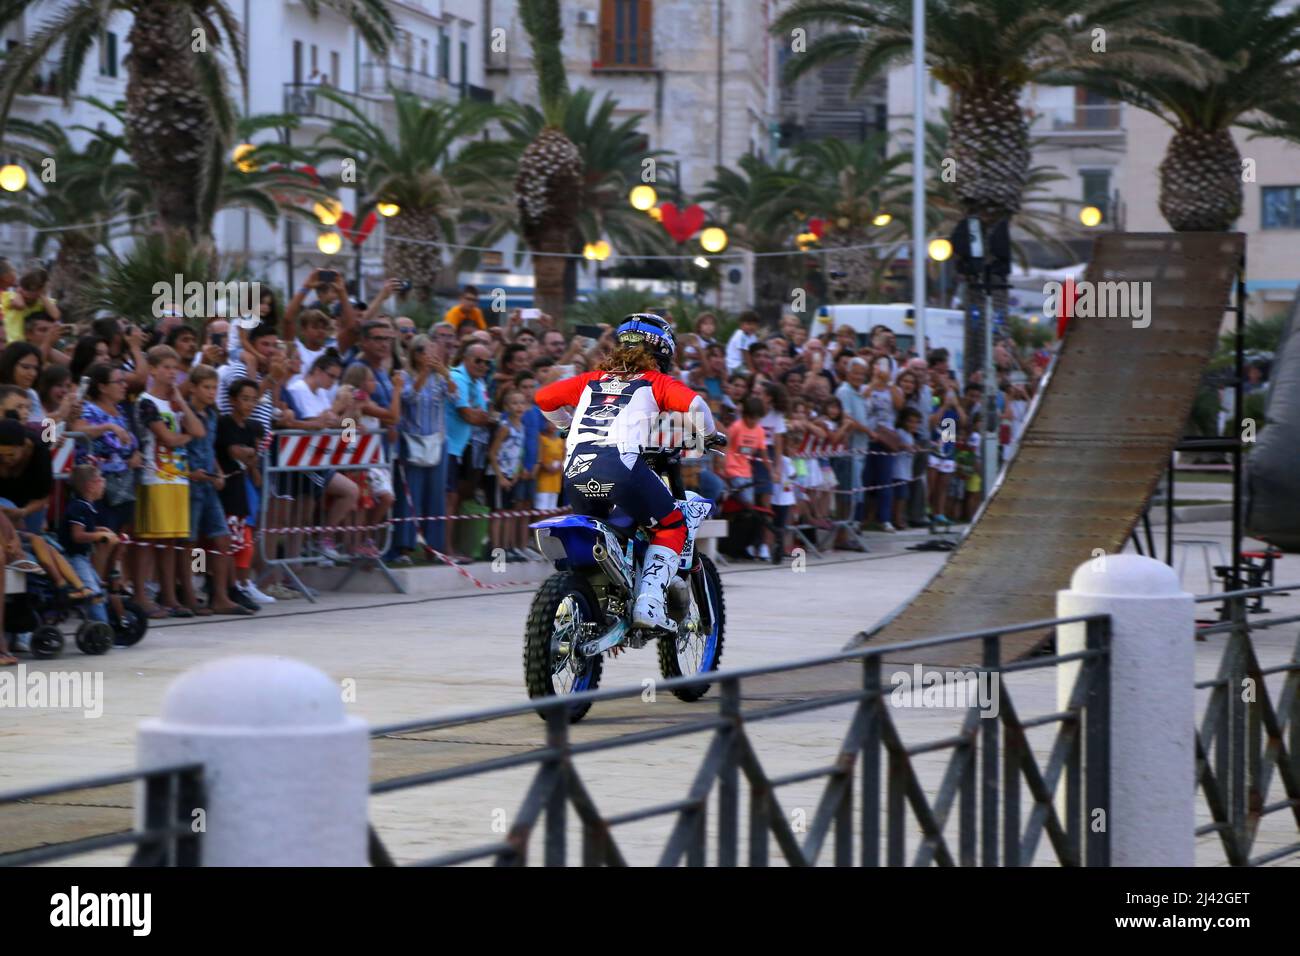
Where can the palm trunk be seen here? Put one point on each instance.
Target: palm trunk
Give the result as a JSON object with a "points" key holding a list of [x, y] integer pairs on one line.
{"points": [[860, 267], [989, 139], [548, 273], [414, 261], [1200, 181], [73, 276], [169, 126], [548, 194]]}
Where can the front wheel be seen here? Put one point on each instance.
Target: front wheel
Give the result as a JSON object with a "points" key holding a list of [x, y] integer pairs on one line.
{"points": [[698, 650], [564, 615]]}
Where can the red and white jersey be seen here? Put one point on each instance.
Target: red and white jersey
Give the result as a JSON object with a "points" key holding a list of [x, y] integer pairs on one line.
{"points": [[616, 411]]}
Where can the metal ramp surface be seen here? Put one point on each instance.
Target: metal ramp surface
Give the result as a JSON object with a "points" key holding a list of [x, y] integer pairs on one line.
{"points": [[1092, 454]]}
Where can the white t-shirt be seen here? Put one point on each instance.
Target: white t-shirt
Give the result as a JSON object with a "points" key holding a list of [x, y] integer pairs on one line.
{"points": [[309, 357], [737, 347], [783, 492], [310, 403], [773, 424]]}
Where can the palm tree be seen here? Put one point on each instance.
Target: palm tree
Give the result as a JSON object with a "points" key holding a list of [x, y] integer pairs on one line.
{"points": [[756, 203], [986, 53], [1038, 219], [1253, 50], [178, 107], [420, 170], [611, 152], [260, 179], [91, 187], [548, 187], [851, 184], [125, 286]]}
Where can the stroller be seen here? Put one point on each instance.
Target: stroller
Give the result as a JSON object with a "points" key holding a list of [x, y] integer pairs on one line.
{"points": [[42, 608]]}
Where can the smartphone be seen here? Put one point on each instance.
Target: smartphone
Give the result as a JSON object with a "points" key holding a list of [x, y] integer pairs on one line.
{"points": [[593, 332], [82, 386], [327, 276], [567, 371], [404, 287], [217, 338], [530, 314]]}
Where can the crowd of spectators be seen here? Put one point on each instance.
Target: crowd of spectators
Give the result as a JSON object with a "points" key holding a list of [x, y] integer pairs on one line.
{"points": [[174, 417]]}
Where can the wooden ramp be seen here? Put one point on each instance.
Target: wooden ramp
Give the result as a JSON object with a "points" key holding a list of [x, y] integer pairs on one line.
{"points": [[1099, 440]]}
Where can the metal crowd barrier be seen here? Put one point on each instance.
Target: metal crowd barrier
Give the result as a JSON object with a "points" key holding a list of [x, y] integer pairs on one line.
{"points": [[286, 460]]}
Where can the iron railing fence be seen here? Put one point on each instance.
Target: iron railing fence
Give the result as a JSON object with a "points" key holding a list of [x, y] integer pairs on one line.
{"points": [[990, 770], [1244, 737], [167, 834]]}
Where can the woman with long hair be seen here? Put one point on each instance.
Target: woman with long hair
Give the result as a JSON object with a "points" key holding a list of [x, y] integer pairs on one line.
{"points": [[615, 408], [421, 475], [20, 364], [116, 449], [89, 350]]}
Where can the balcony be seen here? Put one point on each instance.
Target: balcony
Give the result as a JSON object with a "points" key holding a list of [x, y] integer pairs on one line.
{"points": [[1078, 119], [377, 79], [304, 99], [43, 81]]}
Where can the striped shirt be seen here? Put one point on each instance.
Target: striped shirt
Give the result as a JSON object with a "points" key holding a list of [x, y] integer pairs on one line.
{"points": [[233, 371], [423, 412]]}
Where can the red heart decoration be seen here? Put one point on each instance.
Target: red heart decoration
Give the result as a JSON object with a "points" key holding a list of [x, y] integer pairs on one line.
{"points": [[817, 227], [682, 223], [356, 236]]}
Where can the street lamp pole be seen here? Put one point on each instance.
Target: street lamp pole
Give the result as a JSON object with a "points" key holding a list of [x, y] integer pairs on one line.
{"points": [[918, 174]]}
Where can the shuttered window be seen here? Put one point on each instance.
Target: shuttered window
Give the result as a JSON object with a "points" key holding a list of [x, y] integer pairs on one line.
{"points": [[626, 33]]}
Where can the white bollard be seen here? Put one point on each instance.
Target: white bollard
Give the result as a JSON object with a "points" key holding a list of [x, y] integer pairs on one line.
{"points": [[286, 770], [1152, 818]]}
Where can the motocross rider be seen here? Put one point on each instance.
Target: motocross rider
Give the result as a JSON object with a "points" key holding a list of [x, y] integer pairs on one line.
{"points": [[617, 408]]}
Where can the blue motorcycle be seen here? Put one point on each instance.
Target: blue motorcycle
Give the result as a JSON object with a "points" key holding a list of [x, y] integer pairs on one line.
{"points": [[584, 610]]}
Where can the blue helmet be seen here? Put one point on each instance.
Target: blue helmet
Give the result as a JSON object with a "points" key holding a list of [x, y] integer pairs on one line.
{"points": [[650, 332]]}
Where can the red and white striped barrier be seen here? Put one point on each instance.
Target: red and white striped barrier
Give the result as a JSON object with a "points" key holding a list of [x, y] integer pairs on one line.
{"points": [[64, 457], [330, 451]]}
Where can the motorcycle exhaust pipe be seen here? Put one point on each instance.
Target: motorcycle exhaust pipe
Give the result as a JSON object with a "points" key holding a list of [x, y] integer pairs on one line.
{"points": [[611, 565]]}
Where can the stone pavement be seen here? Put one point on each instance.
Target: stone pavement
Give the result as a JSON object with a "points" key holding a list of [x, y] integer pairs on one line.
{"points": [[412, 658]]}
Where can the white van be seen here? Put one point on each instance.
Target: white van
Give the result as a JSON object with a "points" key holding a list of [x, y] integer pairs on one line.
{"points": [[945, 328]]}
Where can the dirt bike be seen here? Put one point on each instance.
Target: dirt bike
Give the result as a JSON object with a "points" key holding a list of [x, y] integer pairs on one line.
{"points": [[584, 610]]}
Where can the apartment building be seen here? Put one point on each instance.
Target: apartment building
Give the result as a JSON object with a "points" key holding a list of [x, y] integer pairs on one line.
{"points": [[701, 72], [290, 55], [1270, 215]]}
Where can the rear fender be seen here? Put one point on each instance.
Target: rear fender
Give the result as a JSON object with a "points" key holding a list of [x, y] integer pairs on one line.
{"points": [[570, 538]]}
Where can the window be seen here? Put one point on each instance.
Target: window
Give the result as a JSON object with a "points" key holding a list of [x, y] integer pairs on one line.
{"points": [[444, 54], [315, 69], [626, 32], [1096, 188], [1280, 207], [464, 64], [424, 56], [297, 62], [334, 67], [1094, 111], [108, 54]]}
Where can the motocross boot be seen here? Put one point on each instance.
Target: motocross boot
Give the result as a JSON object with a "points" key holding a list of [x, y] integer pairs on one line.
{"points": [[659, 568]]}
